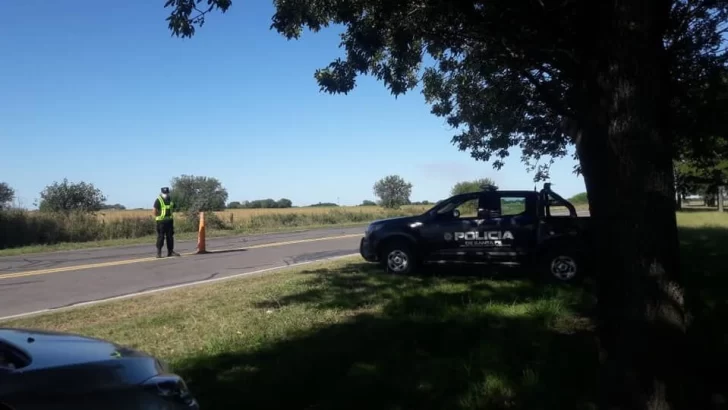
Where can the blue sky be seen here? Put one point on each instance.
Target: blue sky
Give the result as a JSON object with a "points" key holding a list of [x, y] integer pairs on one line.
{"points": [[100, 92]]}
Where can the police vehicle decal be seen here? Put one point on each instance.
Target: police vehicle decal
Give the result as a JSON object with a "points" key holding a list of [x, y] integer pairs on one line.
{"points": [[476, 238]]}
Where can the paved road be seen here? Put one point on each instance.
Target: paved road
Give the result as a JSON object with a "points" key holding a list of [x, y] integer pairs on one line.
{"points": [[36, 282]]}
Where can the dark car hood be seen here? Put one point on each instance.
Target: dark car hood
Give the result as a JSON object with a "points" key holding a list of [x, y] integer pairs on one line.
{"points": [[66, 359], [50, 349]]}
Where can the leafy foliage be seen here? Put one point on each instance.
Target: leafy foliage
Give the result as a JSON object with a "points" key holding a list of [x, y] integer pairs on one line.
{"points": [[66, 197], [505, 74], [393, 191], [632, 84], [187, 14], [198, 193], [367, 202], [464, 187], [7, 195], [579, 199]]}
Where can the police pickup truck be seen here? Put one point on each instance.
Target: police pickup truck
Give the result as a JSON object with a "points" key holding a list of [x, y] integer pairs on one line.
{"points": [[490, 226]]}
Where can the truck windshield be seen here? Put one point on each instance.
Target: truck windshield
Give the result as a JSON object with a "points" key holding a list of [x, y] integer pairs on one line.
{"points": [[11, 357], [448, 205]]}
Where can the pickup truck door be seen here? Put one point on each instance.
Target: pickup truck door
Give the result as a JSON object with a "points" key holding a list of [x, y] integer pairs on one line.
{"points": [[508, 225], [444, 233]]}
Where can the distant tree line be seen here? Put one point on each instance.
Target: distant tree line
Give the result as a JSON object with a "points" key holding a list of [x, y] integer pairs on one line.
{"points": [[115, 207], [261, 203], [393, 191], [324, 204], [193, 194], [190, 193]]}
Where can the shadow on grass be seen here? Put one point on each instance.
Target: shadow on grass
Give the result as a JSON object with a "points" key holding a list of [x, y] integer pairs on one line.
{"points": [[447, 342], [431, 343], [701, 209], [704, 253]]}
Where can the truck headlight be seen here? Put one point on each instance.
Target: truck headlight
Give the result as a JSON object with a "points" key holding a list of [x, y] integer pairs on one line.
{"points": [[172, 388]]}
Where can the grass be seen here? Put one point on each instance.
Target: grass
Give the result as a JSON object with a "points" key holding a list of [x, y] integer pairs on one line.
{"points": [[246, 214], [342, 335]]}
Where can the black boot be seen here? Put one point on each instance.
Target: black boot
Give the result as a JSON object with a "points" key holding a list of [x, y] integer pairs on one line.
{"points": [[172, 253], [159, 253]]}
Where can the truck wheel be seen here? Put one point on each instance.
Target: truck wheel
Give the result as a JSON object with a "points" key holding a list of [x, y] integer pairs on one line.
{"points": [[562, 264], [397, 258]]}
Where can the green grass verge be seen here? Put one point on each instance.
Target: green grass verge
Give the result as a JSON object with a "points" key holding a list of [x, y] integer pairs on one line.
{"points": [[342, 335]]}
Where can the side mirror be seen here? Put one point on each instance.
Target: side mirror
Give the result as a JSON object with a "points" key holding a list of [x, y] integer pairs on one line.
{"points": [[455, 213]]}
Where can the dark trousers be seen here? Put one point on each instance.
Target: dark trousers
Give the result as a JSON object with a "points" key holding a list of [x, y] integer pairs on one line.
{"points": [[165, 229]]}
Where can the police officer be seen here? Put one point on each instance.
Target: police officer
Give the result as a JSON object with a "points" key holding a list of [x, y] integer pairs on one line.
{"points": [[163, 208]]}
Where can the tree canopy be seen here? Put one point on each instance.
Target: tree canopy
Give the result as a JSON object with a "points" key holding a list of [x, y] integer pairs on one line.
{"points": [[198, 193], [66, 197], [7, 195], [393, 191], [633, 85], [505, 74], [463, 187]]}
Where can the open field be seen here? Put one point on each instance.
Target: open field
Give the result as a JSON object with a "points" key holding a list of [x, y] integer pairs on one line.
{"points": [[234, 215], [30, 232], [342, 335]]}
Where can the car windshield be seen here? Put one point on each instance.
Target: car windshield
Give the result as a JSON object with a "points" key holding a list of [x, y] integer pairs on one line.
{"points": [[11, 357]]}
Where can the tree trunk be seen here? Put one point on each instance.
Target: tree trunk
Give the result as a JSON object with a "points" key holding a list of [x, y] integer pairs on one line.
{"points": [[721, 193], [626, 159]]}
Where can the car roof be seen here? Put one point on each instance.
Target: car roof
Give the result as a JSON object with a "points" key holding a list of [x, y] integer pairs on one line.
{"points": [[522, 192]]}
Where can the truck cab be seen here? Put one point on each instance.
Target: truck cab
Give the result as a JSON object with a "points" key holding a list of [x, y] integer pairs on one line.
{"points": [[489, 226]]}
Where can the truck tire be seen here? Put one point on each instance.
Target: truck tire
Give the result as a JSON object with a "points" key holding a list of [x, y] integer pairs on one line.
{"points": [[562, 264], [397, 257]]}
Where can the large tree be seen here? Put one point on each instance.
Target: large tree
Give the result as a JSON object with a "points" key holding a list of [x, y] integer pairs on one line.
{"points": [[7, 195], [66, 197], [622, 81], [393, 191], [476, 185], [194, 193]]}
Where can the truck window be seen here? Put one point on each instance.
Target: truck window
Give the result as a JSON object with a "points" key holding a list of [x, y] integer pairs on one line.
{"points": [[469, 208], [511, 206]]}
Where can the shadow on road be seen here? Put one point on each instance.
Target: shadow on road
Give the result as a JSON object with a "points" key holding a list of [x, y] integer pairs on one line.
{"points": [[214, 252]]}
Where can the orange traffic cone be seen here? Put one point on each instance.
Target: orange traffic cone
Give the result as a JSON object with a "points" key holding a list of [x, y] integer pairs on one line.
{"points": [[201, 248]]}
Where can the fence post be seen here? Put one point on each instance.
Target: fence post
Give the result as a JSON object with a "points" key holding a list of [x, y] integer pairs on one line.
{"points": [[201, 248]]}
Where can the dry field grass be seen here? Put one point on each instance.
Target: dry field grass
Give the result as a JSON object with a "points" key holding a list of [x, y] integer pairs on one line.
{"points": [[243, 214]]}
